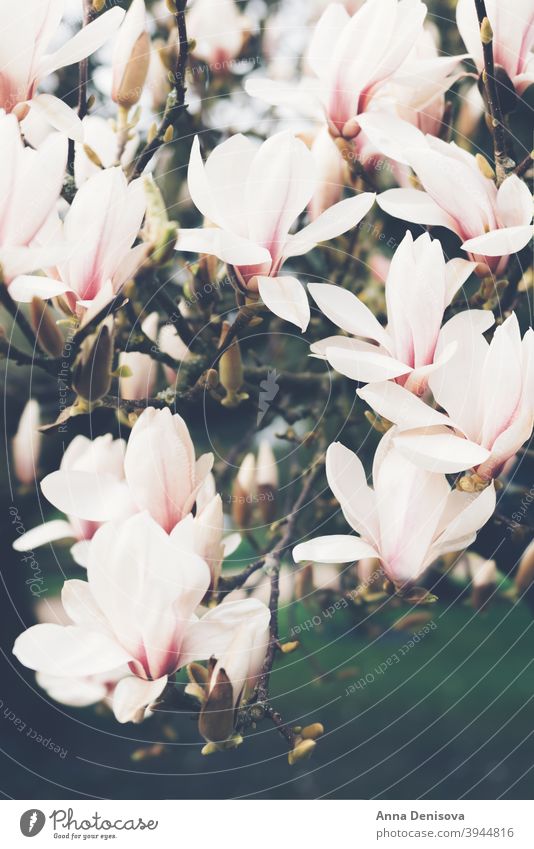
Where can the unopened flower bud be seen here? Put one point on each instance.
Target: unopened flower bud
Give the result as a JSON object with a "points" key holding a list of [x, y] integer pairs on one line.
{"points": [[289, 648], [243, 492], [26, 444], [131, 57], [486, 32], [313, 731], [231, 371], [92, 374], [302, 751], [48, 334]]}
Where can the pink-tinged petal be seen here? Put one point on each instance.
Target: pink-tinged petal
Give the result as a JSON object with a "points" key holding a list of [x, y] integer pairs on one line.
{"points": [[333, 222], [390, 135], [502, 242], [80, 552], [286, 298], [198, 184], [47, 532], [440, 452], [133, 696], [28, 286], [132, 29], [366, 366], [337, 548], [84, 43], [398, 405], [318, 349], [463, 327], [326, 32], [68, 650], [514, 202], [347, 480], [76, 692], [147, 586], [224, 245], [346, 311], [212, 634], [95, 497], [415, 206], [280, 183], [55, 112]]}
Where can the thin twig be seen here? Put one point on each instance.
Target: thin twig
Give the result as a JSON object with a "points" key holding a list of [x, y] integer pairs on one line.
{"points": [[504, 165], [226, 585], [175, 104]]}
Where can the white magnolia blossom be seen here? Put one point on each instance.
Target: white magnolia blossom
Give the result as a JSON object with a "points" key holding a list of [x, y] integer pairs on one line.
{"points": [[492, 223], [420, 286], [96, 237], [252, 195], [487, 391], [512, 25], [407, 520], [219, 31], [101, 138], [27, 31], [30, 184], [137, 608], [131, 57]]}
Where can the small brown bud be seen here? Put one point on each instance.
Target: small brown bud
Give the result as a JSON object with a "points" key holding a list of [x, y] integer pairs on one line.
{"points": [[486, 32], [92, 374], [288, 648], [47, 332], [231, 371]]}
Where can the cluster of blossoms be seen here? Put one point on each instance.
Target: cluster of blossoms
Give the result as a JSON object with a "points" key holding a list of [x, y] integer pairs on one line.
{"points": [[81, 225]]}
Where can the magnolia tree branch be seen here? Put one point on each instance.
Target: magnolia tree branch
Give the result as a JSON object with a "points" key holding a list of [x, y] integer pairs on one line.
{"points": [[175, 104], [504, 165]]}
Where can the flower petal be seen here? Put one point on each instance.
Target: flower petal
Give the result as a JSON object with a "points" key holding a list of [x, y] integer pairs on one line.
{"points": [[333, 222], [222, 244], [286, 298], [68, 650], [47, 532], [440, 452], [503, 242], [338, 548], [133, 696], [415, 206], [346, 311]]}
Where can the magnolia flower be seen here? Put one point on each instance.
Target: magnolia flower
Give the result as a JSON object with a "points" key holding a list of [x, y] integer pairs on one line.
{"points": [[136, 608], [487, 391], [28, 28], [81, 691], [252, 195], [407, 521], [163, 476], [492, 223], [219, 31], [513, 37], [89, 487], [131, 57], [140, 383], [352, 58], [26, 444], [31, 181], [419, 287], [97, 234]]}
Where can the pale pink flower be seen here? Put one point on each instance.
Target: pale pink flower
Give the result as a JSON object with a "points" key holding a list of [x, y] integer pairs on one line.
{"points": [[136, 608], [26, 444], [89, 487], [96, 236], [30, 185], [492, 223], [331, 174], [487, 391], [27, 31], [163, 475], [512, 24], [219, 31], [101, 137], [419, 287], [407, 521], [252, 195]]}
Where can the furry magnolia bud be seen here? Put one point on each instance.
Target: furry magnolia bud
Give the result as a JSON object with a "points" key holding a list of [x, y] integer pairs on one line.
{"points": [[92, 374], [231, 370], [48, 334]]}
